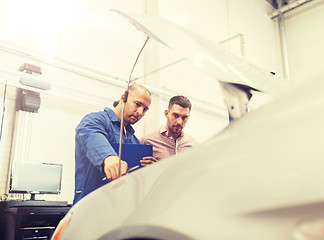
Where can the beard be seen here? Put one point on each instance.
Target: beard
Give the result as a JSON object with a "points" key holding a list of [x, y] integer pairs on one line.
{"points": [[131, 119], [175, 129]]}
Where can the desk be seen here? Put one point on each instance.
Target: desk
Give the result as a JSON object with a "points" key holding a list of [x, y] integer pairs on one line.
{"points": [[30, 219]]}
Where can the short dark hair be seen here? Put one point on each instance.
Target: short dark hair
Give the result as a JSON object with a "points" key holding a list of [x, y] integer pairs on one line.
{"points": [[116, 103], [180, 100]]}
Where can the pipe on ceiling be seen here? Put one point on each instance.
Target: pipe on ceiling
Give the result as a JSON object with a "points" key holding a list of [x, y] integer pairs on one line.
{"points": [[286, 8], [283, 42]]}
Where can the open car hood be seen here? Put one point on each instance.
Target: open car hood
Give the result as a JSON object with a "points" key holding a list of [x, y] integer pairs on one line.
{"points": [[208, 56]]}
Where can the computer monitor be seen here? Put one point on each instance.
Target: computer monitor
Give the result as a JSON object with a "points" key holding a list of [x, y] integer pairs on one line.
{"points": [[35, 178]]}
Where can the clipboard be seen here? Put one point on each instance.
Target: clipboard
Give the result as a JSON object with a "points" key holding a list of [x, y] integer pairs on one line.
{"points": [[133, 153]]}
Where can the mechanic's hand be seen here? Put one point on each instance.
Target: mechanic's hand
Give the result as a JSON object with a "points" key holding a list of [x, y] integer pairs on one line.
{"points": [[147, 161], [111, 167]]}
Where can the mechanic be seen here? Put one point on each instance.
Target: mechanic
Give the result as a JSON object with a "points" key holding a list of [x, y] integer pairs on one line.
{"points": [[170, 139], [96, 162]]}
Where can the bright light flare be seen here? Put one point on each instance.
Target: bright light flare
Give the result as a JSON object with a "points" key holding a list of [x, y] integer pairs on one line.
{"points": [[40, 22]]}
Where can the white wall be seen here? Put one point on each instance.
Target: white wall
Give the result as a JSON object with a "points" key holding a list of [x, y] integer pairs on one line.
{"points": [[8, 117], [305, 37], [88, 56]]}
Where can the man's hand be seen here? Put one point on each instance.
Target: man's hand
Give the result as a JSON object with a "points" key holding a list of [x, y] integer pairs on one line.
{"points": [[111, 167], [148, 160]]}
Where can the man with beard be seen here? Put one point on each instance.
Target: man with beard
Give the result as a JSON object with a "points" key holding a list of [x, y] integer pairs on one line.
{"points": [[96, 162], [170, 139]]}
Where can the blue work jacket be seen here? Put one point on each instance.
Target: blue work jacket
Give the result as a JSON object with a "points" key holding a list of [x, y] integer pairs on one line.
{"points": [[93, 136]]}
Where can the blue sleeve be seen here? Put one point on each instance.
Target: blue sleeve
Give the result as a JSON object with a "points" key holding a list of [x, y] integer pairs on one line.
{"points": [[93, 134]]}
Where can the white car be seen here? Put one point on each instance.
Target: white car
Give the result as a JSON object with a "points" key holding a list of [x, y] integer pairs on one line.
{"points": [[260, 178]]}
